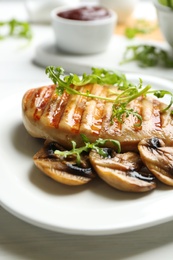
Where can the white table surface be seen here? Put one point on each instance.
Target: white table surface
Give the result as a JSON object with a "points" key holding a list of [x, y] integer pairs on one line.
{"points": [[20, 240]]}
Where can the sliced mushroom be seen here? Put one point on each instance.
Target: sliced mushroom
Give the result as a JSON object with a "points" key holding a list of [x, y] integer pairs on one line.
{"points": [[122, 171], [63, 170], [158, 158]]}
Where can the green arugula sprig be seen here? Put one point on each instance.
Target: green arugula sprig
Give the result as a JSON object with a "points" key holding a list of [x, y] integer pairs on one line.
{"points": [[126, 93], [168, 3], [140, 27], [15, 28], [87, 148], [100, 76], [147, 56], [124, 98], [161, 94]]}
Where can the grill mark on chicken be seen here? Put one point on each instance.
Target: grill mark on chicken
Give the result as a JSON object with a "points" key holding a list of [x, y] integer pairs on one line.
{"points": [[90, 123], [151, 113], [69, 120], [132, 122], [165, 118], [135, 121], [149, 109], [151, 116], [65, 117], [79, 109], [97, 118], [98, 113], [28, 100], [41, 99], [110, 126], [56, 108], [156, 115]]}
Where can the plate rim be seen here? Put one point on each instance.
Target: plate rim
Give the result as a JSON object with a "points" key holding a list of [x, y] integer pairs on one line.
{"points": [[86, 231]]}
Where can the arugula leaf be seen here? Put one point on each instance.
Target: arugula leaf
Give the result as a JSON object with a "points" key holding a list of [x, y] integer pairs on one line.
{"points": [[98, 75], [16, 29], [147, 56], [140, 27], [124, 92], [168, 3], [87, 148], [161, 94], [120, 104]]}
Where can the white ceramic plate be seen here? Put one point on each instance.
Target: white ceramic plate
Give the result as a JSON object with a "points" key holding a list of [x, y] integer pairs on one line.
{"points": [[94, 209]]}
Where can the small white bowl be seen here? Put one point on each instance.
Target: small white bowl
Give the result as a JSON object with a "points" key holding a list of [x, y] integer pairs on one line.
{"points": [[165, 19], [123, 8], [82, 37], [39, 10]]}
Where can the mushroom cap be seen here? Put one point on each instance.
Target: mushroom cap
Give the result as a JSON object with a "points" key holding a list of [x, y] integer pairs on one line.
{"points": [[122, 171], [158, 158], [63, 170]]}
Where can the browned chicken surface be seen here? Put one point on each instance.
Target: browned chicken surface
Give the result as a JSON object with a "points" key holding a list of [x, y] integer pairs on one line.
{"points": [[63, 119]]}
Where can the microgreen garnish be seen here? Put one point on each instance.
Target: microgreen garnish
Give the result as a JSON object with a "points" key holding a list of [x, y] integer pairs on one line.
{"points": [[168, 3], [123, 99], [147, 56], [120, 111], [161, 94], [87, 148], [120, 97], [140, 27], [100, 76], [14, 28]]}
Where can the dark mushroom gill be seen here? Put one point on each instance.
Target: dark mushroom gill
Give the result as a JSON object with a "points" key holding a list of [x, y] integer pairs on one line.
{"points": [[123, 171], [64, 170], [158, 158]]}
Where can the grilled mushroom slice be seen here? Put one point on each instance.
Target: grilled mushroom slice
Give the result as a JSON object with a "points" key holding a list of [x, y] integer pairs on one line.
{"points": [[122, 171], [158, 158], [63, 170]]}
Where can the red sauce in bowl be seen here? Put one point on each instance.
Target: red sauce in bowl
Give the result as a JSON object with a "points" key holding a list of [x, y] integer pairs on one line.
{"points": [[85, 13]]}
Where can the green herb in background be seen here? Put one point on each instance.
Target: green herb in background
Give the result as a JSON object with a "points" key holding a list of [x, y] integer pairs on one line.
{"points": [[140, 27], [14, 28], [147, 56], [168, 3]]}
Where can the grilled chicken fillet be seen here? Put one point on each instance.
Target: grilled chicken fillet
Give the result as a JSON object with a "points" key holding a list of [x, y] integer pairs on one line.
{"points": [[63, 118]]}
